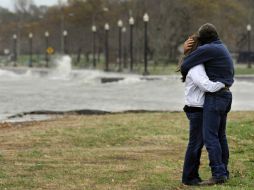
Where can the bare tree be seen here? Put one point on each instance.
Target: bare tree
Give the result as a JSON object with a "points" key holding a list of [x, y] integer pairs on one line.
{"points": [[23, 6]]}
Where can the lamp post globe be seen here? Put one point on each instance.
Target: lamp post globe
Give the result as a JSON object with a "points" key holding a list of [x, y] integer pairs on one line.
{"points": [[106, 27], [14, 36], [65, 33], [105, 9], [248, 27], [46, 34], [30, 35], [94, 29], [120, 23], [131, 21], [146, 17]]}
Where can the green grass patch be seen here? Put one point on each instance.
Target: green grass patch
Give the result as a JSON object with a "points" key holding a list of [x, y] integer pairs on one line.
{"points": [[159, 67], [122, 151], [242, 69]]}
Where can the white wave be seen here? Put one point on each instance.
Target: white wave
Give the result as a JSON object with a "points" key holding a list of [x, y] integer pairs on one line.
{"points": [[8, 74], [17, 75], [30, 74], [63, 68], [130, 80], [88, 76]]}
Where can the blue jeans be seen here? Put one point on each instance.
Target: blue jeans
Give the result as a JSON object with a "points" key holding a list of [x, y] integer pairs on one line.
{"points": [[193, 153], [216, 107]]}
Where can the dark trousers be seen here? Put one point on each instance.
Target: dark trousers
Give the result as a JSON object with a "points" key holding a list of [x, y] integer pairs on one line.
{"points": [[193, 153], [216, 107]]}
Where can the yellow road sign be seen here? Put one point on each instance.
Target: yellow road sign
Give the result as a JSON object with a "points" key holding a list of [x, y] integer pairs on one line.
{"points": [[50, 50]]}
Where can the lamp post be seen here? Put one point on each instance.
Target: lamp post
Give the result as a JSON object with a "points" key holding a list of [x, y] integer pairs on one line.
{"points": [[46, 50], [249, 45], [31, 49], [120, 25], [65, 34], [124, 47], [106, 27], [131, 22], [63, 17], [94, 30], [14, 49], [146, 20]]}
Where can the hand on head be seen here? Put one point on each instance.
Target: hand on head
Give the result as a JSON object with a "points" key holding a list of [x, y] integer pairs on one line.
{"points": [[188, 45]]}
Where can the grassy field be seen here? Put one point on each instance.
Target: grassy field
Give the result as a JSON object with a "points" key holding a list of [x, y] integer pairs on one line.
{"points": [[169, 69], [244, 70], [123, 151]]}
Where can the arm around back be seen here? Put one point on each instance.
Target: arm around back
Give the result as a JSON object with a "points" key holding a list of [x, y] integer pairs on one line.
{"points": [[200, 79], [201, 55]]}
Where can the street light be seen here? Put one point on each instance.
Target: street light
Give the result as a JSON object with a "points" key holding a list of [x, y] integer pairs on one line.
{"points": [[146, 20], [106, 27], [131, 22], [124, 47], [249, 45], [120, 25], [14, 49], [63, 24], [65, 34], [94, 30], [31, 49], [46, 50]]}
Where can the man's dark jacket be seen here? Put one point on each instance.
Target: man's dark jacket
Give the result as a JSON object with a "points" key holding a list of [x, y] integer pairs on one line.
{"points": [[217, 60]]}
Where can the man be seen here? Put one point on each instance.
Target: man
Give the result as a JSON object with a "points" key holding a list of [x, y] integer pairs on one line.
{"points": [[219, 67]]}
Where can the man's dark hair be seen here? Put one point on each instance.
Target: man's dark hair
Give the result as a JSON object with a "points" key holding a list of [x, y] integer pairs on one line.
{"points": [[207, 33]]}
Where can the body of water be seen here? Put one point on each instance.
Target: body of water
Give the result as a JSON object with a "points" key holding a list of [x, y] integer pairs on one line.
{"points": [[64, 89]]}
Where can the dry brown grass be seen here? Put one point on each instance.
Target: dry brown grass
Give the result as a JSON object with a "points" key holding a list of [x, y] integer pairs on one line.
{"points": [[122, 151]]}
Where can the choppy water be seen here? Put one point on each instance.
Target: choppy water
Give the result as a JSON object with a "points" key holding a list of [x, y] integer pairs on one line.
{"points": [[63, 89]]}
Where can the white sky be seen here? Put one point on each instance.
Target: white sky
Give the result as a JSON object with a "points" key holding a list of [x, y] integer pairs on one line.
{"points": [[9, 3]]}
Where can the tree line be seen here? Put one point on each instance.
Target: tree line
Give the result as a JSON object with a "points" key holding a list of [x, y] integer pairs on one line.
{"points": [[171, 22]]}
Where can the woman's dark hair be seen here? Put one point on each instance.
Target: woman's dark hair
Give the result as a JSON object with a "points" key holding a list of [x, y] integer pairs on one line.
{"points": [[195, 37]]}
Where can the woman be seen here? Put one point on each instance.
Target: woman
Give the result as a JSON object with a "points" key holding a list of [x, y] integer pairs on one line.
{"points": [[196, 84]]}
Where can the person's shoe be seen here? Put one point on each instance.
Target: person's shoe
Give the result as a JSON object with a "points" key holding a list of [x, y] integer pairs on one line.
{"points": [[214, 181], [193, 182]]}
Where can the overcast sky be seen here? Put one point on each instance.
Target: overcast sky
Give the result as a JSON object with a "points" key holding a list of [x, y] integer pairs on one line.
{"points": [[9, 3]]}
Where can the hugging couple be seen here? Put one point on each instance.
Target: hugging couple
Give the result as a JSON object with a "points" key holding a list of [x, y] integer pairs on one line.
{"points": [[208, 73]]}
